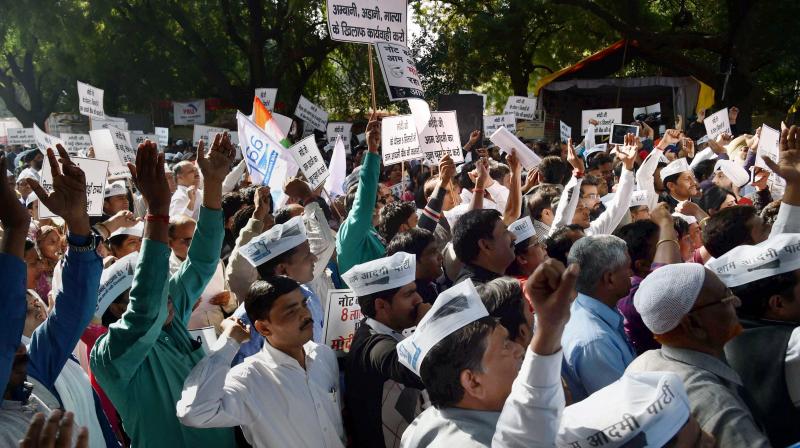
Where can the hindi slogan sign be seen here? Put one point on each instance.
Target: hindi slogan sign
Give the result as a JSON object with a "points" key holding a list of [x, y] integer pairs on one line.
{"points": [[21, 136], [399, 140], [138, 137], [190, 112], [342, 319], [311, 113], [90, 101], [114, 146], [605, 120], [565, 131], [95, 173], [768, 142], [492, 123], [306, 154], [205, 133], [77, 142], [109, 122], [440, 137], [399, 72], [521, 107], [340, 128], [368, 21], [717, 124], [45, 140], [267, 96], [162, 134]]}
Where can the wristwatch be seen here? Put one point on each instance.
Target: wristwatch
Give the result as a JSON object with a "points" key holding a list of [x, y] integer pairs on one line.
{"points": [[91, 246]]}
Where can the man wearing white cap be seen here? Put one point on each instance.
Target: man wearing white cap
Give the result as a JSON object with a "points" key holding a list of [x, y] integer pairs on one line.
{"points": [[691, 313], [529, 248], [767, 353], [640, 205], [381, 394], [679, 183], [126, 240], [115, 198]]}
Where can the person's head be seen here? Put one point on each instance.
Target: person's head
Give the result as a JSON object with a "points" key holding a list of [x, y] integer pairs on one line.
{"points": [[449, 201], [553, 170], [640, 213], [386, 290], [501, 174], [181, 232], [231, 203], [731, 227], [287, 212], [186, 174], [115, 310], [687, 306], [279, 312], [704, 170], [559, 243], [33, 262], [170, 176], [529, 247], [473, 367], [296, 263], [480, 237], [605, 267], [35, 314], [38, 161], [540, 202], [423, 245], [602, 166], [23, 188], [590, 192], [397, 217], [770, 213], [393, 174], [715, 199], [48, 240], [124, 244], [115, 198], [775, 298], [504, 300], [682, 186], [641, 238], [240, 219]]}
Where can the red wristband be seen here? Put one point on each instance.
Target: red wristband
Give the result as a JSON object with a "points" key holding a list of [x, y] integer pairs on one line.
{"points": [[156, 218], [577, 174]]}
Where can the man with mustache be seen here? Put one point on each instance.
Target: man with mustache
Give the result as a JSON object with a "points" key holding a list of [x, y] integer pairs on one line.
{"points": [[381, 395], [284, 395]]}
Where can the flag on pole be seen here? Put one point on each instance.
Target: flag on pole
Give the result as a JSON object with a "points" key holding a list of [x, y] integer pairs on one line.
{"points": [[338, 169]]}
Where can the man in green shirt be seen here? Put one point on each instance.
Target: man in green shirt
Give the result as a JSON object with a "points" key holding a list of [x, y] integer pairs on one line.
{"points": [[143, 360]]}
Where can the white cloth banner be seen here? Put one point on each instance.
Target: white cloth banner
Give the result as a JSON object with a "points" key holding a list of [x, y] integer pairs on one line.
{"points": [[717, 124], [565, 132], [113, 146], [492, 123], [768, 142], [202, 132], [190, 112], [311, 113], [338, 169], [399, 72], [21, 136], [340, 130], [77, 142], [95, 173], [90, 101], [162, 135], [108, 123], [267, 96], [266, 159], [45, 140], [399, 140], [368, 21], [605, 119], [342, 317], [306, 154], [509, 143], [440, 137], [521, 107]]}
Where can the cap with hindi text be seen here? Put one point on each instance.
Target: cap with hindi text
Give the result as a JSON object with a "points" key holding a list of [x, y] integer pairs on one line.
{"points": [[275, 241], [382, 274]]}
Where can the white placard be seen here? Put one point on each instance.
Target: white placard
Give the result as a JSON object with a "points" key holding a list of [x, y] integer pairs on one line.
{"points": [[399, 140], [565, 132], [651, 109], [113, 146], [95, 174], [342, 318], [206, 336], [605, 119], [472, 92], [162, 135], [138, 137], [284, 123], [311, 113], [190, 112], [492, 123], [201, 132], [440, 137], [90, 101], [306, 154], [508, 142], [768, 142], [77, 142], [717, 124], [267, 96], [399, 72], [108, 123], [21, 136], [45, 140], [368, 21], [521, 107], [340, 128]]}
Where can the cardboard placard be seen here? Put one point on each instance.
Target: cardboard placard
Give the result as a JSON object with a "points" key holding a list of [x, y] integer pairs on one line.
{"points": [[399, 72], [311, 114], [440, 137], [90, 101], [267, 96], [307, 155], [21, 136], [368, 21], [717, 124], [605, 117], [399, 140], [189, 112], [342, 318], [492, 123], [521, 107], [95, 173], [340, 129]]}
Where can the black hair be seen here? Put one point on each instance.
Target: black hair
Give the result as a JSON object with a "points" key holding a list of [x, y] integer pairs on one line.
{"points": [[463, 178], [350, 197], [559, 243], [728, 229], [117, 241], [264, 293], [108, 317], [231, 203], [671, 178], [240, 219], [248, 194], [713, 198], [542, 198], [681, 226], [770, 212], [755, 295], [597, 159], [554, 170], [704, 170], [463, 349], [503, 299], [499, 171], [367, 302], [589, 179], [637, 237], [412, 241], [267, 269], [392, 216], [284, 214], [470, 228]]}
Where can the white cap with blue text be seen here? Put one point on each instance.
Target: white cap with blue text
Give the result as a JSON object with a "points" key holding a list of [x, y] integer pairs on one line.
{"points": [[275, 241], [382, 274]]}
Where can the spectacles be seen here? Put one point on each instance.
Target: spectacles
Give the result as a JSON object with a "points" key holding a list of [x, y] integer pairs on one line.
{"points": [[590, 196], [725, 300]]}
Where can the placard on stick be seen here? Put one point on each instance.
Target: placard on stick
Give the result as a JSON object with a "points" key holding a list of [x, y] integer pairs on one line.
{"points": [[399, 140], [95, 173], [440, 137], [399, 72], [307, 155], [368, 21], [717, 124], [342, 318]]}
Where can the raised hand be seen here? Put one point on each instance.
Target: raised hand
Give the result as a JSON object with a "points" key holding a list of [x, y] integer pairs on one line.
{"points": [[149, 177], [671, 137], [474, 136], [217, 163], [262, 203], [513, 162], [235, 329], [627, 152], [447, 169], [689, 208], [660, 214], [573, 159], [123, 218], [373, 134], [55, 432], [688, 145], [733, 114], [13, 215], [482, 178], [551, 289], [68, 198]]}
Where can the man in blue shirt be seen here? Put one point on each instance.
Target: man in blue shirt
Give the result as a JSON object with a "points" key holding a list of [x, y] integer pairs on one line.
{"points": [[596, 350]]}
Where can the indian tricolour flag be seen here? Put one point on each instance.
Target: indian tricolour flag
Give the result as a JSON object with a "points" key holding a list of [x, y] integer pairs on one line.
{"points": [[262, 117]]}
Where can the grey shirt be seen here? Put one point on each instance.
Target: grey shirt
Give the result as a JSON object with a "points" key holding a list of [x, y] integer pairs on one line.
{"points": [[711, 385], [452, 427]]}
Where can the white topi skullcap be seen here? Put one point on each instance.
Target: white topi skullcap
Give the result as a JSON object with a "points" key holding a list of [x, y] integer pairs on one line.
{"points": [[667, 294], [135, 230], [639, 198], [114, 280], [745, 264], [675, 167], [275, 241], [689, 219], [382, 274]]}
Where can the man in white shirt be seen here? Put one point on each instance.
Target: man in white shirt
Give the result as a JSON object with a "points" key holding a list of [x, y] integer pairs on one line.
{"points": [[188, 196], [285, 395]]}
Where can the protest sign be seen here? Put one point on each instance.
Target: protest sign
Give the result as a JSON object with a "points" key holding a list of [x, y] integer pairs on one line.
{"points": [[768, 142], [342, 317], [306, 154], [605, 119], [531, 129], [113, 146], [311, 113], [472, 92], [340, 129], [284, 123], [267, 96], [45, 140], [521, 107], [399, 72], [162, 135], [509, 143], [202, 132], [368, 21], [648, 110], [493, 122], [566, 132], [95, 174], [108, 123], [90, 101], [265, 158], [469, 111], [206, 337], [77, 142], [21, 136], [190, 112], [717, 124], [138, 137], [399, 140], [440, 137]]}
